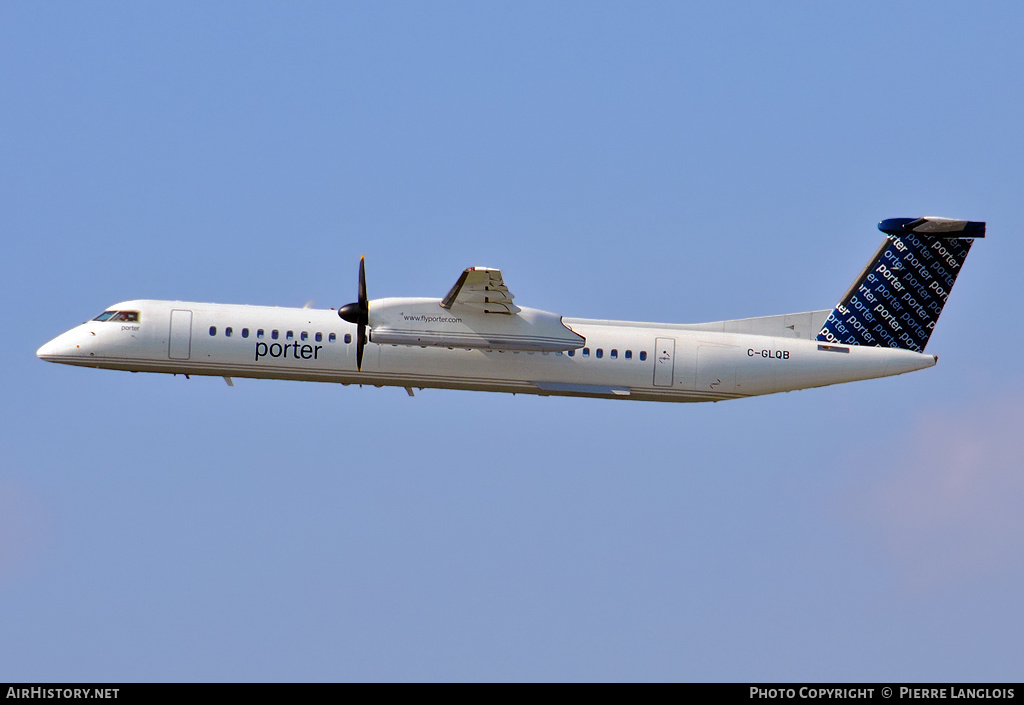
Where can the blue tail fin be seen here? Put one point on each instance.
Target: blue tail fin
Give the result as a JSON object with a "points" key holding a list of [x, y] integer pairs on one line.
{"points": [[898, 298]]}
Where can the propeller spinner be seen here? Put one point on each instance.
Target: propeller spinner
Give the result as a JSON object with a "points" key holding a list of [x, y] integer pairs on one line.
{"points": [[358, 313]]}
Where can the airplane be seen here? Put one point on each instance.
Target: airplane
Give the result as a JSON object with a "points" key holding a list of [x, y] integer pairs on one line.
{"points": [[476, 338]]}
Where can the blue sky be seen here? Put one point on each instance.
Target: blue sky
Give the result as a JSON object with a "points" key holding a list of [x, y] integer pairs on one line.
{"points": [[656, 161]]}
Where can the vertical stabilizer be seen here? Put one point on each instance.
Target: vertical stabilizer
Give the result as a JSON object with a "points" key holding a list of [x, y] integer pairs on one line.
{"points": [[897, 300]]}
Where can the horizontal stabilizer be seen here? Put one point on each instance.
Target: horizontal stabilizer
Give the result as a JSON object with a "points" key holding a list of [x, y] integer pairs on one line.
{"points": [[934, 226]]}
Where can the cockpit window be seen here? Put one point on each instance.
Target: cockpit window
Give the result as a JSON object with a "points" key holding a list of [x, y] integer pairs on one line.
{"points": [[124, 316]]}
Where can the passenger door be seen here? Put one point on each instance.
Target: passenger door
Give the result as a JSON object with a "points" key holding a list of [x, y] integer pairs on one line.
{"points": [[179, 344], [664, 361]]}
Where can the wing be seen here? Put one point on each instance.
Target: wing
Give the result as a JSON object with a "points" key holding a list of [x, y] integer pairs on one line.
{"points": [[483, 289]]}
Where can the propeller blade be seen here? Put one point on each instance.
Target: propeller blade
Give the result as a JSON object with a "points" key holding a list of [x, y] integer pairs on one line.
{"points": [[359, 314], [360, 344], [364, 314], [362, 283]]}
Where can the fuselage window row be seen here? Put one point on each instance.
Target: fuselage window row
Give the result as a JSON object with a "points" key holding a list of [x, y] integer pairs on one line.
{"points": [[289, 335], [332, 337], [613, 354]]}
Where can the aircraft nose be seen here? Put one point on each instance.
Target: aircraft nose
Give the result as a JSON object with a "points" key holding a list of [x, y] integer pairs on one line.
{"points": [[62, 346], [49, 351]]}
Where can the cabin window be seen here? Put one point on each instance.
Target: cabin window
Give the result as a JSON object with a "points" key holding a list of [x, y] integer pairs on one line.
{"points": [[558, 353], [348, 338], [227, 331], [613, 354], [213, 330], [600, 353], [643, 355], [304, 336], [273, 334], [289, 335], [319, 337], [331, 338], [245, 332], [629, 354], [572, 353], [586, 352], [259, 332]]}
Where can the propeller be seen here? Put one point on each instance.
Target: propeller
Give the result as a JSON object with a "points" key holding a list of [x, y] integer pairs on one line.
{"points": [[358, 313]]}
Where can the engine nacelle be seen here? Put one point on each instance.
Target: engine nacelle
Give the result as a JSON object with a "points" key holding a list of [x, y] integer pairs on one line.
{"points": [[416, 321]]}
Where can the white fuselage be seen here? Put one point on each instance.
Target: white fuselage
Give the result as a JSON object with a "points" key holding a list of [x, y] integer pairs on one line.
{"points": [[623, 360]]}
